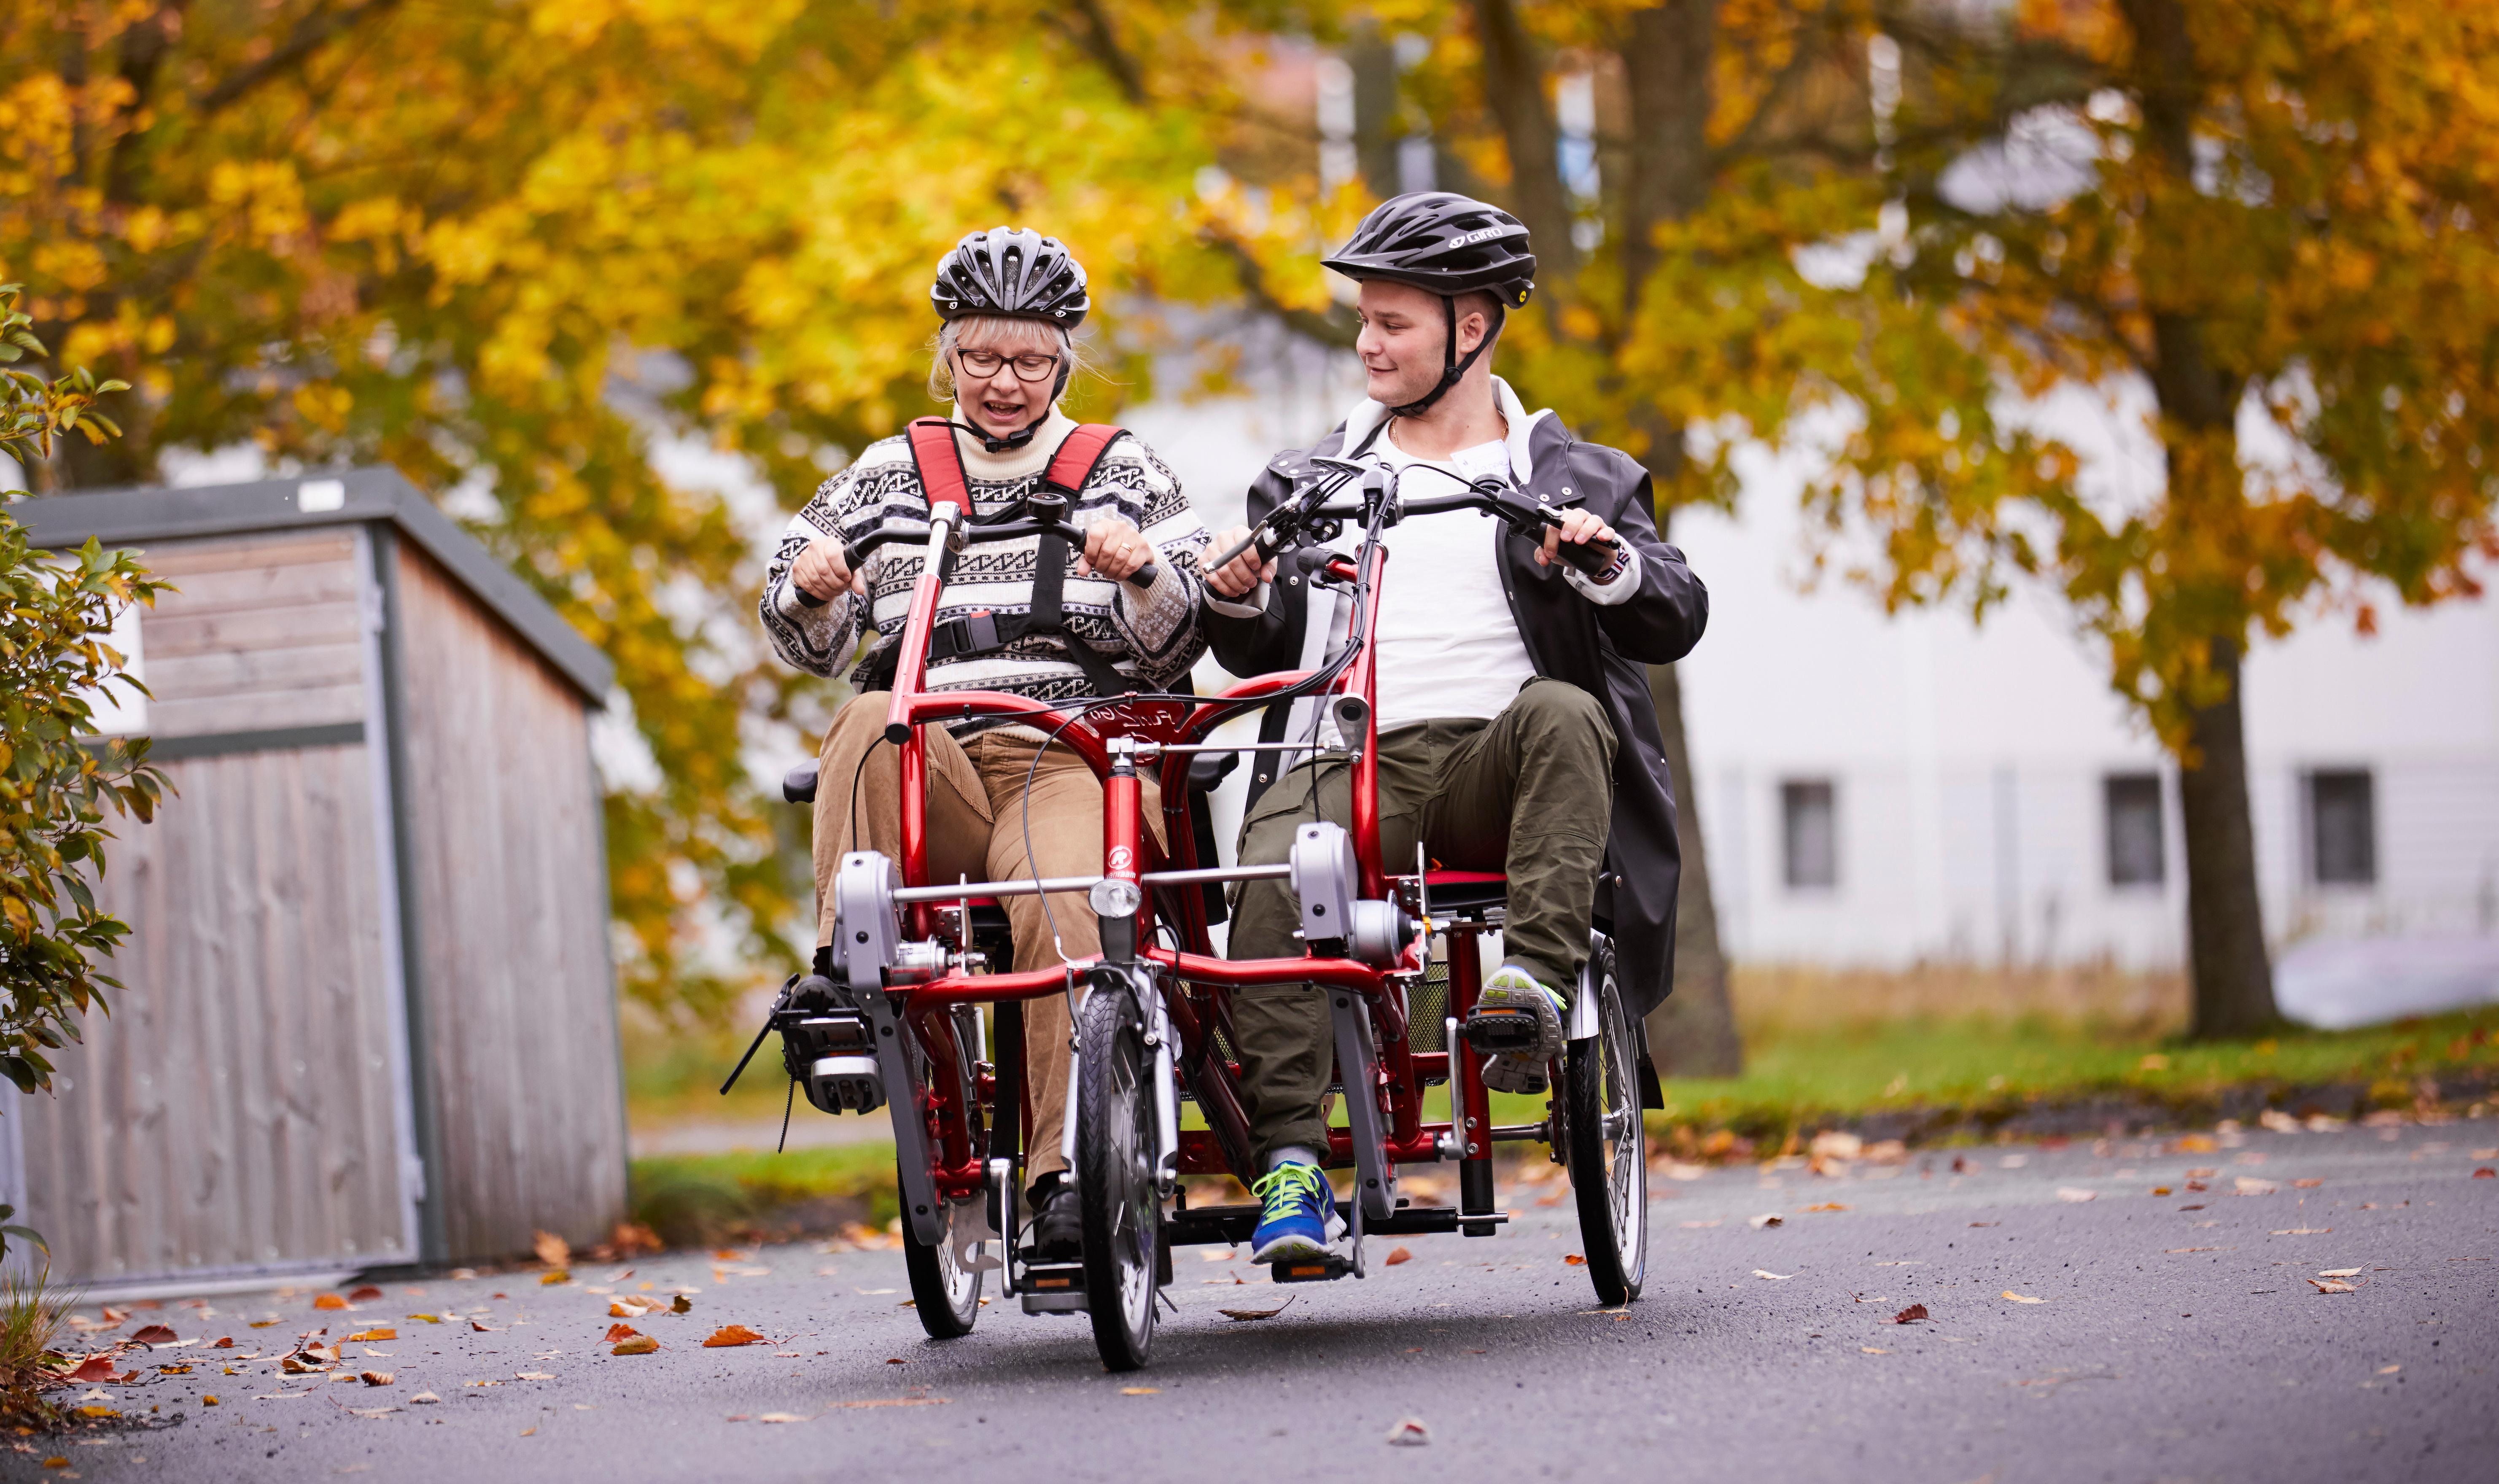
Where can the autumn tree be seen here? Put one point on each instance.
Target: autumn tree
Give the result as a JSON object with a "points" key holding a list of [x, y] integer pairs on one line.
{"points": [[520, 251], [1714, 140], [2267, 214]]}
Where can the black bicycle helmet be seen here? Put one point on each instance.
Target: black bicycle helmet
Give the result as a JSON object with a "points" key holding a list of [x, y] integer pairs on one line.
{"points": [[1448, 245], [1018, 274], [1014, 272]]}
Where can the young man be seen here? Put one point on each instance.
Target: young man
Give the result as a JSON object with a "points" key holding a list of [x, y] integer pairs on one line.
{"points": [[1516, 731]]}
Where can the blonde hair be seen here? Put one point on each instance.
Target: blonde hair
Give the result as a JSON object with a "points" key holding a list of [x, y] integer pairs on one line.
{"points": [[975, 332]]}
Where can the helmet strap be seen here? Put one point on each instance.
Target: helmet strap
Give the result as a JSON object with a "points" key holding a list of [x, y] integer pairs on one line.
{"points": [[1452, 366], [993, 443]]}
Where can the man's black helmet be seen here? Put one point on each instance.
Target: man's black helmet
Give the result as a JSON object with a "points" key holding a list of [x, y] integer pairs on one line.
{"points": [[1448, 245], [1444, 243], [1014, 272]]}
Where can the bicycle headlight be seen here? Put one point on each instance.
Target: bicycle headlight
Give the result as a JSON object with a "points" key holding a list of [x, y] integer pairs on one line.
{"points": [[1114, 897]]}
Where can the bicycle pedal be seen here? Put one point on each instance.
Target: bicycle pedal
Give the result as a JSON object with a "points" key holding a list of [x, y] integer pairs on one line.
{"points": [[1056, 1288], [1327, 1268], [1493, 1030]]}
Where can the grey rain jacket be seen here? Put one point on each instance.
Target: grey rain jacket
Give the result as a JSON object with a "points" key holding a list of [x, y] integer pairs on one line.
{"points": [[1603, 650]]}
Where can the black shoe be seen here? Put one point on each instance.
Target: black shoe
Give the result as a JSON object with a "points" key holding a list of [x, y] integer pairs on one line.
{"points": [[1057, 1229]]}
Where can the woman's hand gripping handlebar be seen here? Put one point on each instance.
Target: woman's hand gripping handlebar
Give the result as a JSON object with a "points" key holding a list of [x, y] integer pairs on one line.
{"points": [[828, 566]]}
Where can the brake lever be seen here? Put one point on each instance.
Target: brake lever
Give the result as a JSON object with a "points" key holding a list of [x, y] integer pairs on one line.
{"points": [[1285, 522]]}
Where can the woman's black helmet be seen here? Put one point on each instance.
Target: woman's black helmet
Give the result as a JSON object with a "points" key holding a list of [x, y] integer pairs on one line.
{"points": [[1448, 245], [1018, 274]]}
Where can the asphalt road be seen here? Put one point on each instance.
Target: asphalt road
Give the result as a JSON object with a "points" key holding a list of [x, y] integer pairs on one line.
{"points": [[2174, 1338]]}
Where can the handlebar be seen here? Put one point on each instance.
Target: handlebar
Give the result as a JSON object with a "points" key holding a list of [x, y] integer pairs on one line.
{"points": [[1287, 524], [915, 534]]}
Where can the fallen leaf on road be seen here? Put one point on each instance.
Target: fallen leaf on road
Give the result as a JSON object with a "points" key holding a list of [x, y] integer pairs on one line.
{"points": [[681, 1305], [732, 1335], [2022, 1298], [369, 1337], [897, 1401], [424, 1398], [1574, 1259], [2333, 1286], [1399, 1255], [532, 1375], [1871, 1350], [1245, 1315], [2486, 1153], [1770, 1219], [1910, 1315], [427, 1318], [2303, 1231], [529, 1432], [481, 1327], [1775, 1278], [2198, 1144], [552, 1250], [2070, 1193], [329, 1301], [1409, 1433], [639, 1344], [1698, 1226], [1985, 1223], [377, 1377], [2201, 1175], [1824, 1205], [2389, 1369], [893, 1360], [2161, 1190], [1141, 1391], [2485, 1173], [550, 1279], [2306, 1184], [226, 1343], [2338, 1272], [155, 1334], [365, 1295], [780, 1417], [617, 1332], [96, 1368], [631, 1307], [2249, 1185]]}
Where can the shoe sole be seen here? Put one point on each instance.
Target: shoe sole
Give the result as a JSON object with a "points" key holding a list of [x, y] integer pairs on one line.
{"points": [[1523, 1070], [1295, 1249]]}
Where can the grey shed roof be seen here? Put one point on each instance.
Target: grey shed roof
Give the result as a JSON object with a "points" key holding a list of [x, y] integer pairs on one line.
{"points": [[335, 496]]}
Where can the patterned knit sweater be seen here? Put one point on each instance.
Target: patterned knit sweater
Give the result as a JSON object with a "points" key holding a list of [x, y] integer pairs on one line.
{"points": [[1152, 635]]}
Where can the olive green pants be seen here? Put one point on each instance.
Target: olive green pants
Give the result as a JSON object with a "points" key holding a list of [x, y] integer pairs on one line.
{"points": [[1530, 792]]}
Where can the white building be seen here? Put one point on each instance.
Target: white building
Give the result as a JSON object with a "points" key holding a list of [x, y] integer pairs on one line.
{"points": [[1880, 791]]}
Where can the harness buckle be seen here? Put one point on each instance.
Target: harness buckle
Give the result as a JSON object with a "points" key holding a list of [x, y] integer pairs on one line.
{"points": [[968, 633]]}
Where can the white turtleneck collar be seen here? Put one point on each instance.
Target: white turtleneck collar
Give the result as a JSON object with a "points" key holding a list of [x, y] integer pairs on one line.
{"points": [[1015, 462]]}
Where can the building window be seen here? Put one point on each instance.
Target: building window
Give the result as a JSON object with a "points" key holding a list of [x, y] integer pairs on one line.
{"points": [[2136, 857], [2342, 827], [1810, 834]]}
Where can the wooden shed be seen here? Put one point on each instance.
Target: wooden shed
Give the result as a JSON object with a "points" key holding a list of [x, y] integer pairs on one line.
{"points": [[368, 1015]]}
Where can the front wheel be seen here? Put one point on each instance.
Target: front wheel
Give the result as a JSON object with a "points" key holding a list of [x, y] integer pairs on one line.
{"points": [[1115, 1176], [1607, 1148], [944, 1292]]}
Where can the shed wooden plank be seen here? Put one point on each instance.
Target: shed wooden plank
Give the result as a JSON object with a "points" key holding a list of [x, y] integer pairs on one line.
{"points": [[170, 630], [213, 554], [282, 585], [256, 711], [231, 672]]}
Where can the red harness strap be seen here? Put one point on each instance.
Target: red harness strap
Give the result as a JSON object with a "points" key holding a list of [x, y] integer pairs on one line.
{"points": [[1072, 468], [940, 462]]}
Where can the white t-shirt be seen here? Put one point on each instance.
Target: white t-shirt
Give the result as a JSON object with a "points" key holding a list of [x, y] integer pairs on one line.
{"points": [[1449, 644]]}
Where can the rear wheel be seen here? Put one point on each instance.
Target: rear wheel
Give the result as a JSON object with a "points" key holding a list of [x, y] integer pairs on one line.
{"points": [[1605, 1145], [1115, 1176], [946, 1294]]}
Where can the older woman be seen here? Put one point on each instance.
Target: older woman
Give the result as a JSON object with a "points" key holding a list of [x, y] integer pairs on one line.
{"points": [[1010, 302]]}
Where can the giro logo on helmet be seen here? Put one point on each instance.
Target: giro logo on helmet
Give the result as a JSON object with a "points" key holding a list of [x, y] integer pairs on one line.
{"points": [[1485, 234]]}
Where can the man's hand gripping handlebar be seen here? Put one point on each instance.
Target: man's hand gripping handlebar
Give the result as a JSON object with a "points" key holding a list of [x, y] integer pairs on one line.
{"points": [[1569, 534]]}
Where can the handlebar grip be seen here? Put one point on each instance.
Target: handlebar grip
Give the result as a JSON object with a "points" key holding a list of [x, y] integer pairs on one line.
{"points": [[1143, 577], [1594, 558]]}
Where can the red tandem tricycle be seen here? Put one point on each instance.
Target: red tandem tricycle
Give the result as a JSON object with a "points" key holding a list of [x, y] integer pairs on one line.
{"points": [[892, 1016]]}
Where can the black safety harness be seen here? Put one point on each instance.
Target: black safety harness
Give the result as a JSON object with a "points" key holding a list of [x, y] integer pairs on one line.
{"points": [[939, 460]]}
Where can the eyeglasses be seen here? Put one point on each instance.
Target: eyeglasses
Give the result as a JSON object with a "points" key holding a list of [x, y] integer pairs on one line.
{"points": [[1034, 367]]}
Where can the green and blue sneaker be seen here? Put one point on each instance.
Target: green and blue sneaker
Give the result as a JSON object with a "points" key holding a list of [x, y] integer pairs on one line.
{"points": [[1297, 1215], [1511, 987]]}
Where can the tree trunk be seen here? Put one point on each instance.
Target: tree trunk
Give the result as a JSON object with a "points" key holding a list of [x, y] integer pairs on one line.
{"points": [[1513, 84], [2225, 945], [1693, 1034]]}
